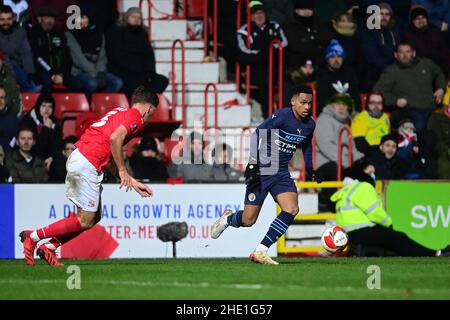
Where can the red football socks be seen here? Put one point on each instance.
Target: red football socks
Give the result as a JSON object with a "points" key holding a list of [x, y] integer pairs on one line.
{"points": [[60, 228]]}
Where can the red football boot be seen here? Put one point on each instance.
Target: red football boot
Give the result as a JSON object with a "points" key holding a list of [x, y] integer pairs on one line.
{"points": [[29, 245], [48, 255]]}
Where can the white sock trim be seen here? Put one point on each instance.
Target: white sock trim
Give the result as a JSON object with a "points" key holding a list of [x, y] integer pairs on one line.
{"points": [[261, 247]]}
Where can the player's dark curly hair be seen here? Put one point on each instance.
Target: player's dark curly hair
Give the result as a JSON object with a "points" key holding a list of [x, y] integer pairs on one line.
{"points": [[143, 95]]}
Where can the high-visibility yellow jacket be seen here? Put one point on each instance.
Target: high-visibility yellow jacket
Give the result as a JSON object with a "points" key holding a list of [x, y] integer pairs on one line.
{"points": [[358, 206], [373, 129]]}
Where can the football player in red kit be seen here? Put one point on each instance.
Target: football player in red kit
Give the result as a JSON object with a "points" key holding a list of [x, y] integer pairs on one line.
{"points": [[102, 139]]}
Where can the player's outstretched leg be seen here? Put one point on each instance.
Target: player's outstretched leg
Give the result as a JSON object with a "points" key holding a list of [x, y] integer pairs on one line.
{"points": [[222, 223], [29, 245]]}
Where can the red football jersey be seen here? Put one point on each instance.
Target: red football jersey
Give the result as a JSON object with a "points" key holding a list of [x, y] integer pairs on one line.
{"points": [[94, 143]]}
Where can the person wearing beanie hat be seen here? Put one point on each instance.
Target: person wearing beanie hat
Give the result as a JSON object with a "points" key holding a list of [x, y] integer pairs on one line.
{"points": [[336, 77], [87, 49], [428, 40], [304, 4], [387, 164], [263, 32], [308, 36], [334, 49], [130, 54], [255, 6]]}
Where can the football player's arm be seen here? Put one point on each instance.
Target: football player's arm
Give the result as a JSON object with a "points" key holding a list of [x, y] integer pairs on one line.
{"points": [[116, 142]]}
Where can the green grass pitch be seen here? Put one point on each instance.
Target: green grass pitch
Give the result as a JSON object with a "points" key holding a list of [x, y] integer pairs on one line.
{"points": [[204, 279]]}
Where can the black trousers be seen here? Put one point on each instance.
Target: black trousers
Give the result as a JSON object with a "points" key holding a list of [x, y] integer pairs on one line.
{"points": [[391, 240]]}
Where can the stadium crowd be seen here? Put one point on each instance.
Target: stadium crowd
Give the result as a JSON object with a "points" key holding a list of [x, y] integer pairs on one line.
{"points": [[389, 84]]}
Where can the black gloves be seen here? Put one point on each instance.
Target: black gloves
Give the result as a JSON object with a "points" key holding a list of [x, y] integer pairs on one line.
{"points": [[312, 175], [252, 176]]}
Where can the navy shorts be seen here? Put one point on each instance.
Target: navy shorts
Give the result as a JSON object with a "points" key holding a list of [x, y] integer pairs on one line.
{"points": [[275, 184]]}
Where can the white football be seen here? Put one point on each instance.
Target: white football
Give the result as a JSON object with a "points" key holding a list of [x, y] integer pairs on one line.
{"points": [[334, 239]]}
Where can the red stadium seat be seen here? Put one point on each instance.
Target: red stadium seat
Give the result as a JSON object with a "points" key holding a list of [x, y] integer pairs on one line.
{"points": [[103, 102], [68, 123], [162, 113], [29, 100], [70, 102]]}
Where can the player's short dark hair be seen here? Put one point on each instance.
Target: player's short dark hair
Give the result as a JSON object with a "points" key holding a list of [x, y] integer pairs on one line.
{"points": [[301, 89], [6, 9], [142, 94]]}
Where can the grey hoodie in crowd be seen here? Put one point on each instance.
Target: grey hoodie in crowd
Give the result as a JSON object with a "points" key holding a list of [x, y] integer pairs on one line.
{"points": [[327, 129]]}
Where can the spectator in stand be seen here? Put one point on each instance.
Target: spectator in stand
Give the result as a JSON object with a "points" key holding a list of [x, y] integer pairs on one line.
{"points": [[346, 33], [409, 148], [51, 53], [413, 86], [336, 78], [130, 54], [4, 172], [439, 124], [369, 126], [87, 48], [279, 10], [145, 163], [103, 12], [191, 166], [46, 128], [326, 10], [58, 169], [222, 171], [387, 165], [8, 82], [305, 74], [333, 118], [59, 11], [428, 41], [263, 32], [14, 44], [22, 164], [8, 120], [378, 47], [438, 12], [20, 9], [306, 34]]}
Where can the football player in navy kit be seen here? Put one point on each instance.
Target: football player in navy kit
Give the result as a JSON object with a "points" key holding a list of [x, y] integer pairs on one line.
{"points": [[272, 146]]}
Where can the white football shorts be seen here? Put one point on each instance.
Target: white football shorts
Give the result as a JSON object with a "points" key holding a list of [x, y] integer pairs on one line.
{"points": [[83, 182]]}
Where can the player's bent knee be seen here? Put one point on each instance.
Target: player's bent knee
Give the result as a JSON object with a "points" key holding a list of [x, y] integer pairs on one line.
{"points": [[248, 222]]}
